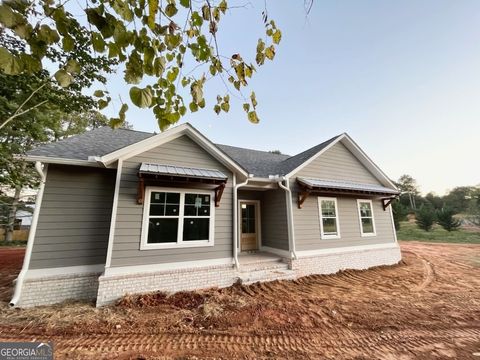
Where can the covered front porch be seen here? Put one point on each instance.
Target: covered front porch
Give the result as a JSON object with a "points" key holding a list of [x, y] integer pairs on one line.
{"points": [[262, 224]]}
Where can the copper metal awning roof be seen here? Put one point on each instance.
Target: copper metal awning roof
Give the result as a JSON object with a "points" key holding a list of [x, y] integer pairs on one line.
{"points": [[172, 170], [346, 188], [175, 176], [345, 185]]}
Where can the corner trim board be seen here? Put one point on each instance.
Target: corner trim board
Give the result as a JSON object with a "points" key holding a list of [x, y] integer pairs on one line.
{"points": [[113, 220]]}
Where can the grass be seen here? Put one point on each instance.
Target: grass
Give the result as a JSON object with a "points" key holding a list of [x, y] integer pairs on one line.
{"points": [[410, 232], [14, 243]]}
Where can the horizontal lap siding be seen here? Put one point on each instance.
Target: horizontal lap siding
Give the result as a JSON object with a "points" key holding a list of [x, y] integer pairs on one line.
{"points": [[74, 219], [337, 163], [274, 220], [126, 245]]}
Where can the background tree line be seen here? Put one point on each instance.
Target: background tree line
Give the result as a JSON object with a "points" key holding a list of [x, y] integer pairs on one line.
{"points": [[461, 205]]}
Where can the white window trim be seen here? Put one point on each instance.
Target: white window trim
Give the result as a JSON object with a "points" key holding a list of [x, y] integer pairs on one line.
{"points": [[374, 233], [144, 245], [327, 236]]}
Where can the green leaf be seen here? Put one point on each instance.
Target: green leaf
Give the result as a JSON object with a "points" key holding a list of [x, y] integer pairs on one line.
{"points": [[115, 123], [98, 43], [141, 97], [185, 3], [159, 65], [270, 52], [252, 117], [23, 31], [172, 74], [193, 107], [223, 6], [102, 104], [10, 64], [98, 93], [197, 20], [152, 13], [122, 112], [48, 35], [253, 98], [225, 106], [72, 67], [217, 109], [9, 18], [63, 78], [206, 12], [171, 10], [277, 37], [68, 43], [246, 107]]}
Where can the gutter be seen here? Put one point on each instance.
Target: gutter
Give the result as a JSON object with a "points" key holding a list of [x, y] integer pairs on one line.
{"points": [[31, 236], [291, 232], [235, 220]]}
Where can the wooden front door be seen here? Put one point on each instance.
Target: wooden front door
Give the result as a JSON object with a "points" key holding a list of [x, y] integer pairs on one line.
{"points": [[249, 229]]}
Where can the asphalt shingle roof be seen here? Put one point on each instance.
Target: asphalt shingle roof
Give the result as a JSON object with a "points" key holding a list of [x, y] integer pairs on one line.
{"points": [[104, 140], [97, 142]]}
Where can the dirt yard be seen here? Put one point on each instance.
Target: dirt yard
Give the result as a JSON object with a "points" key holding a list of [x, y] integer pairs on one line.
{"points": [[427, 307]]}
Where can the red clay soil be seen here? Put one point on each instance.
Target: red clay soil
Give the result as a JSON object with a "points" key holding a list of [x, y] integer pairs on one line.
{"points": [[11, 260], [427, 307]]}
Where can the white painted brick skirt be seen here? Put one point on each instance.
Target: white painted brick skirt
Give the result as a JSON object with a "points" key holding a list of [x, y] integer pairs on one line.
{"points": [[113, 287], [108, 289], [57, 288], [356, 260]]}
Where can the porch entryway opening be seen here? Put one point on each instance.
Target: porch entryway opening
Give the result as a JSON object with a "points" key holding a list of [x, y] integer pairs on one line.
{"points": [[249, 225]]}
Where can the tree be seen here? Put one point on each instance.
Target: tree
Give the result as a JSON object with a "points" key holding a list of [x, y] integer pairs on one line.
{"points": [[458, 199], [155, 41], [408, 186], [435, 201], [399, 213], [446, 220], [425, 217]]}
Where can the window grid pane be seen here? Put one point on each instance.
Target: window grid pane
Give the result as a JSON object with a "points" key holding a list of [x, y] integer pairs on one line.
{"points": [[366, 217]]}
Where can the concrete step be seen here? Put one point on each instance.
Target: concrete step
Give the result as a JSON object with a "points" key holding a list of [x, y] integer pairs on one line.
{"points": [[276, 264], [266, 275]]}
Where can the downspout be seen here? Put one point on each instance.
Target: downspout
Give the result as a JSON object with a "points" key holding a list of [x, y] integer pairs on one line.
{"points": [[235, 221], [291, 232], [31, 235]]}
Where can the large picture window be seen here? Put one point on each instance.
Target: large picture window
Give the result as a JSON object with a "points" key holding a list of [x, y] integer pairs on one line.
{"points": [[177, 218], [329, 226], [365, 213]]}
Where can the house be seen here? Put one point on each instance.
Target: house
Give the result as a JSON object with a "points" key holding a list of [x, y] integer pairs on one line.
{"points": [[122, 211]]}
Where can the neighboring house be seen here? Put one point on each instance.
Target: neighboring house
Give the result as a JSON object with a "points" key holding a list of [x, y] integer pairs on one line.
{"points": [[122, 211]]}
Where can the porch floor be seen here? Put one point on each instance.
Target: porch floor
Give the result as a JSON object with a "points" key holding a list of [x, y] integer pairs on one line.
{"points": [[259, 256]]}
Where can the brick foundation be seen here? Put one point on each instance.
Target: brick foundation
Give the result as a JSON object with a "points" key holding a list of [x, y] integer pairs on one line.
{"points": [[108, 289], [356, 260], [112, 288], [57, 288]]}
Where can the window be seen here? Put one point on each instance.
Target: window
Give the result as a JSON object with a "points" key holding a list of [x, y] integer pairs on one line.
{"points": [[365, 213], [329, 226], [177, 218]]}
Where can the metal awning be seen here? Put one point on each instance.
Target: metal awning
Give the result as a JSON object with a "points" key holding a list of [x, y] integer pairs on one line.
{"points": [[181, 171], [180, 176], [309, 185]]}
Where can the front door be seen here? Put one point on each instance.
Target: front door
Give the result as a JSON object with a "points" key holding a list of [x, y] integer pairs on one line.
{"points": [[249, 225]]}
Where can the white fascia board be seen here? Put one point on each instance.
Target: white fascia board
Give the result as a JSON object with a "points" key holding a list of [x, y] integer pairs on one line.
{"points": [[167, 136], [62, 161], [301, 166], [357, 151]]}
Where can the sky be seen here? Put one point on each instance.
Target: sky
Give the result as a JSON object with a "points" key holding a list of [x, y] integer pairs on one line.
{"points": [[401, 77]]}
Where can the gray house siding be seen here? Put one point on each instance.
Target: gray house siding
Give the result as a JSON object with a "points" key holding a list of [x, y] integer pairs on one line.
{"points": [[74, 220], [126, 244], [337, 163], [273, 217], [274, 220]]}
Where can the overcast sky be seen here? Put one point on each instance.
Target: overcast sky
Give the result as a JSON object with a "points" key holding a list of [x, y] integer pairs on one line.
{"points": [[402, 78]]}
